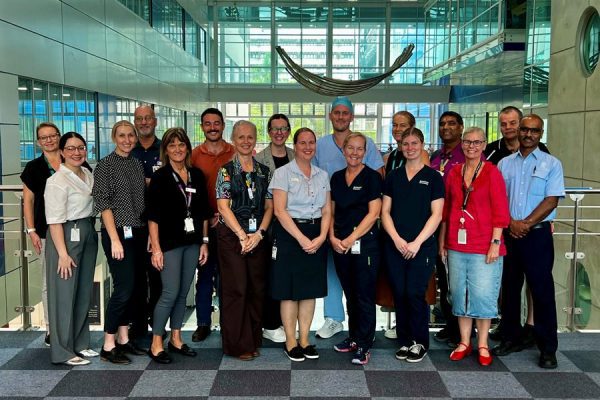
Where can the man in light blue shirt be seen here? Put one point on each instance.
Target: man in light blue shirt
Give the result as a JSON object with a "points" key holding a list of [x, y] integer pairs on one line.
{"points": [[330, 157], [534, 183]]}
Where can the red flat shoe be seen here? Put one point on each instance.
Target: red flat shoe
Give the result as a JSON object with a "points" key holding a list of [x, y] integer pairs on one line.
{"points": [[485, 360], [458, 355]]}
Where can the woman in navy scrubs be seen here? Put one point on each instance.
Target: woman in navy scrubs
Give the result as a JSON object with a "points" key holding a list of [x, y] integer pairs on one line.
{"points": [[356, 204], [413, 201]]}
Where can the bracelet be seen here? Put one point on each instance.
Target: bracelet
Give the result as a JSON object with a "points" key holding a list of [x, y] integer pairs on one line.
{"points": [[157, 253]]}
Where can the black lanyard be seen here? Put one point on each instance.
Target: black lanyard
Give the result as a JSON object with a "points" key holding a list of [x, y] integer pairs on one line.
{"points": [[467, 190], [187, 195]]}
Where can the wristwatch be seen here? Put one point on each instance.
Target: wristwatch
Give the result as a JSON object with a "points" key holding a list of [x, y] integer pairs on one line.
{"points": [[29, 230], [205, 239], [496, 241], [263, 233]]}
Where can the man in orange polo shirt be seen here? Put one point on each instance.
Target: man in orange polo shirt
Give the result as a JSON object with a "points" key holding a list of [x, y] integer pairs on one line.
{"points": [[209, 157]]}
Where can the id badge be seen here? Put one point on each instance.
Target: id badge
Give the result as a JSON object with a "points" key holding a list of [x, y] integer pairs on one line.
{"points": [[252, 224], [189, 225], [462, 236], [190, 190], [355, 247], [75, 234], [127, 232], [274, 253], [250, 194]]}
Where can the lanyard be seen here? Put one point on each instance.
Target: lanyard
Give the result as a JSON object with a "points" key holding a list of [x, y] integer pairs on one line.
{"points": [[250, 181], [186, 194], [394, 156], [467, 191], [52, 171]]}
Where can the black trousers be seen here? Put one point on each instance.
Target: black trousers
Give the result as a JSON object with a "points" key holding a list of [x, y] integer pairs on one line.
{"points": [[530, 258], [127, 303], [409, 280], [358, 276]]}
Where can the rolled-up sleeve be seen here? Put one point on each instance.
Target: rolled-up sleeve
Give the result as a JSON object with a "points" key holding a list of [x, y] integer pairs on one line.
{"points": [[55, 198], [102, 190]]}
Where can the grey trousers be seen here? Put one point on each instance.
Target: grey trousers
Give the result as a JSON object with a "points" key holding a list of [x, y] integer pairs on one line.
{"points": [[177, 276], [69, 299], [44, 286]]}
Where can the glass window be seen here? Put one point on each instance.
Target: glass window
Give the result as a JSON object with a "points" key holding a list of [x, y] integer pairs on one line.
{"points": [[590, 42], [140, 7], [167, 18]]}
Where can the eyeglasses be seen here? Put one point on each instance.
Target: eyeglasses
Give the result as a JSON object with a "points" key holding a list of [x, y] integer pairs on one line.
{"points": [[147, 118], [525, 129], [283, 129], [48, 138], [475, 143], [71, 149]]}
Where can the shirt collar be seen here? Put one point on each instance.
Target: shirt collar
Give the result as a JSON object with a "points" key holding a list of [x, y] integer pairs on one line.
{"points": [[296, 169], [535, 153]]}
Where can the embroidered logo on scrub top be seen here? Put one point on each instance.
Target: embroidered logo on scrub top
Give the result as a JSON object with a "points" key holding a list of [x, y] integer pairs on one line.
{"points": [[356, 187], [426, 183]]}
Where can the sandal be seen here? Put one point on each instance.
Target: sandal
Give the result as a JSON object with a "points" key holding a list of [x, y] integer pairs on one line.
{"points": [[77, 361]]}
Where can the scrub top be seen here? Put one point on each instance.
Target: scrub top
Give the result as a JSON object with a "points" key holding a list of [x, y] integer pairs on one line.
{"points": [[352, 201], [411, 200]]}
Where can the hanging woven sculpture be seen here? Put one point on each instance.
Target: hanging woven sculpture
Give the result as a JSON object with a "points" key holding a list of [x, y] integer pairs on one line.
{"points": [[337, 87]]}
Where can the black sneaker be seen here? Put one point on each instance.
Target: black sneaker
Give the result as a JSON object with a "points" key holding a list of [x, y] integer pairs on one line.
{"points": [[361, 357], [310, 352], [402, 353], [294, 354], [47, 340], [416, 353]]}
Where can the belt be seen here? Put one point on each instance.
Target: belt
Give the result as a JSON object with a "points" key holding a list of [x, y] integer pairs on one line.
{"points": [[307, 220], [540, 225]]}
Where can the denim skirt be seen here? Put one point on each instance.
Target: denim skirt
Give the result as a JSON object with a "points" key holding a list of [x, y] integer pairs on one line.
{"points": [[474, 286]]}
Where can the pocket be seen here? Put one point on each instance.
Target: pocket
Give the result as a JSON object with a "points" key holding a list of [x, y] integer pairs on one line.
{"points": [[538, 182]]}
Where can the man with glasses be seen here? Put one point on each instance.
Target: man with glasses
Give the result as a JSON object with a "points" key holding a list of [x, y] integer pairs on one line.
{"points": [[508, 119], [330, 157], [209, 157], [275, 155], [147, 150], [534, 183], [34, 177]]}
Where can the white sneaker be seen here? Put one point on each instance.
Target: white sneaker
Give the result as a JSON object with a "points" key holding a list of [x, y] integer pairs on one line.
{"points": [[329, 328], [391, 333], [89, 353], [274, 335]]}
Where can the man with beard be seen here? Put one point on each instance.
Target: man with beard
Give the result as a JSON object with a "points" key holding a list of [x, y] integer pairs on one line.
{"points": [[209, 157], [330, 157], [147, 150], [534, 183], [451, 127]]}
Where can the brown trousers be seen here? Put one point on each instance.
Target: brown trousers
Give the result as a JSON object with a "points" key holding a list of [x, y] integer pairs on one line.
{"points": [[243, 285]]}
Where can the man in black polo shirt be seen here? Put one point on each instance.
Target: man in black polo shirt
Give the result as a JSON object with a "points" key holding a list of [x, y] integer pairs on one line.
{"points": [[147, 150]]}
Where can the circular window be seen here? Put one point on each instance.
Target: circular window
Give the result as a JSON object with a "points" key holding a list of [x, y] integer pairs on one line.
{"points": [[590, 40]]}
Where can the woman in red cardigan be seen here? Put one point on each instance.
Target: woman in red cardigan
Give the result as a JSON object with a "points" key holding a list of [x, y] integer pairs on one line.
{"points": [[475, 213]]}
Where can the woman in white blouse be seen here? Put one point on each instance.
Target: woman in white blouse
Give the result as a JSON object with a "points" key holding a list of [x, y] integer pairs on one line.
{"points": [[70, 253]]}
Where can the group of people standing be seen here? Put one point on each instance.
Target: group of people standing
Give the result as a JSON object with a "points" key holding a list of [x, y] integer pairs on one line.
{"points": [[287, 226]]}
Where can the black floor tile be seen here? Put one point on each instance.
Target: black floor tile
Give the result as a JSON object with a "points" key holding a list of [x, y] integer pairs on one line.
{"points": [[251, 383], [558, 385], [585, 360], [328, 359], [33, 359], [405, 384], [112, 383]]}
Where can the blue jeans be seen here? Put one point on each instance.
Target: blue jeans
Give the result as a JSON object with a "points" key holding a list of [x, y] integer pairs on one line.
{"points": [[474, 285]]}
